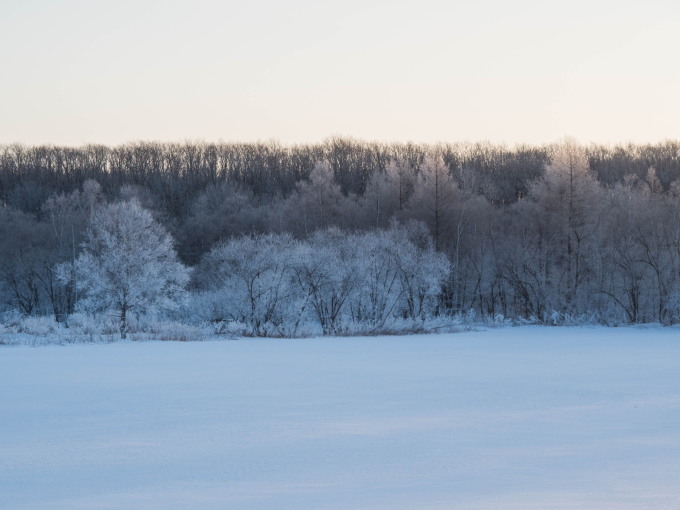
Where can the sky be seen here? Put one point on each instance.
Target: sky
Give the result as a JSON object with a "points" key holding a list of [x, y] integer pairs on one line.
{"points": [[300, 71]]}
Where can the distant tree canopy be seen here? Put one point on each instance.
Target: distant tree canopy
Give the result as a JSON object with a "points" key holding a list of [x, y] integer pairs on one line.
{"points": [[176, 172]]}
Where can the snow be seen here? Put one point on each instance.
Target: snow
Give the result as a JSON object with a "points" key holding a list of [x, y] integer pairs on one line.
{"points": [[516, 418]]}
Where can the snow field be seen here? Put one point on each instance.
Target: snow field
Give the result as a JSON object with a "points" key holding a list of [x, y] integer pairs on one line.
{"points": [[516, 418]]}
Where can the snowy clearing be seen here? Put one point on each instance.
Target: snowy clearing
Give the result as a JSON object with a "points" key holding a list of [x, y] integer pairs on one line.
{"points": [[521, 418]]}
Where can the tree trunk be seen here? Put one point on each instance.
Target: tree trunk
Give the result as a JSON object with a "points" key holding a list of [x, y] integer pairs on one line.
{"points": [[123, 322]]}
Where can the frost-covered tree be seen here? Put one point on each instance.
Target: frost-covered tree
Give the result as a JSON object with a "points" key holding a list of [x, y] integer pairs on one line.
{"points": [[400, 274], [386, 194], [316, 203], [67, 216], [248, 279], [422, 270], [128, 264], [379, 293], [657, 234], [25, 245], [625, 276], [324, 272], [566, 209]]}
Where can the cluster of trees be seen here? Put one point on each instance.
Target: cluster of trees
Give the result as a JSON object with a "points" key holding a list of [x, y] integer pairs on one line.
{"points": [[273, 282], [269, 283], [342, 232]]}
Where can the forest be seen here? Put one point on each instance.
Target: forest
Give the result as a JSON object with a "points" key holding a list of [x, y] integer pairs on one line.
{"points": [[344, 235]]}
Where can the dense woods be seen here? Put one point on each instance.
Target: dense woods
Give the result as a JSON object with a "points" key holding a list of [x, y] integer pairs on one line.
{"points": [[343, 232]]}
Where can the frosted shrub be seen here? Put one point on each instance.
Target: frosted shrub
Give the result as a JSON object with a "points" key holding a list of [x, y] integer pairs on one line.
{"points": [[229, 328], [205, 306], [471, 316], [176, 331], [12, 321], [91, 327], [568, 319], [39, 326], [84, 324], [554, 318], [672, 307], [391, 326]]}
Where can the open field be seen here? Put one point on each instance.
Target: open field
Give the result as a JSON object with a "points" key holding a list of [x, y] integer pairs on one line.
{"points": [[516, 418]]}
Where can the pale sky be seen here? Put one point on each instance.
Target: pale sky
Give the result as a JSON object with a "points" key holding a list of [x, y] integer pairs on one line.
{"points": [[88, 71]]}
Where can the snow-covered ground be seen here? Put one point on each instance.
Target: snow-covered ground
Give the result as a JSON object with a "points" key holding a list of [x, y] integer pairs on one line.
{"points": [[518, 418]]}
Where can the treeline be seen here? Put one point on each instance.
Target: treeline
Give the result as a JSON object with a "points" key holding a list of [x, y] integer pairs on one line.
{"points": [[176, 173], [550, 233]]}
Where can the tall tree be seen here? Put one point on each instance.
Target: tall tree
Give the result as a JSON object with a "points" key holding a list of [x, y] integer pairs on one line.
{"points": [[568, 199], [128, 265], [434, 196]]}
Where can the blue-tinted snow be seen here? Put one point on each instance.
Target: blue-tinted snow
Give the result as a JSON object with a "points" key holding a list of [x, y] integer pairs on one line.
{"points": [[523, 418]]}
